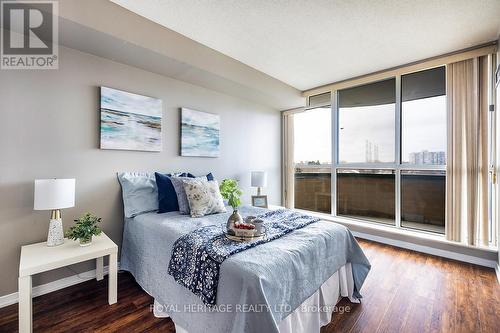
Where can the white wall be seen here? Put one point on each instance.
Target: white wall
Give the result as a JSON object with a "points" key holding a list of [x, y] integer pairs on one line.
{"points": [[49, 127]]}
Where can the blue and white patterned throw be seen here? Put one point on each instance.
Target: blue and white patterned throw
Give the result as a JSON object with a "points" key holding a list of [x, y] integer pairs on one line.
{"points": [[198, 255]]}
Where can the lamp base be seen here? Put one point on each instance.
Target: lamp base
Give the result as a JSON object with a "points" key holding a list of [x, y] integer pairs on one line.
{"points": [[55, 236]]}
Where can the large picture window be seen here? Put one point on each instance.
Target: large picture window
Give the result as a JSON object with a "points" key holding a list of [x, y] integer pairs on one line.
{"points": [[423, 117], [378, 153]]}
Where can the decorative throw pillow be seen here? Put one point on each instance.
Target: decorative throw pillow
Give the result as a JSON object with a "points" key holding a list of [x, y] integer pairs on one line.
{"points": [[204, 197], [182, 200], [139, 192], [167, 197], [178, 183]]}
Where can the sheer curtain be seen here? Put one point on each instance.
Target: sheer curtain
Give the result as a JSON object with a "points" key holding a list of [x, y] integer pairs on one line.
{"points": [[288, 161], [467, 162]]}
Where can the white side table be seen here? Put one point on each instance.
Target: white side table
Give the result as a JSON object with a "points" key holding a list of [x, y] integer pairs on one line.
{"points": [[38, 258]]}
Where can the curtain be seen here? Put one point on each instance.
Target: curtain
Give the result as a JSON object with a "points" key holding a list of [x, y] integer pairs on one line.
{"points": [[288, 161], [467, 161]]}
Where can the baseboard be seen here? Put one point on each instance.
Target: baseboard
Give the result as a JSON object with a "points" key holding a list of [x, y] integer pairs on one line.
{"points": [[429, 250], [497, 270], [53, 286]]}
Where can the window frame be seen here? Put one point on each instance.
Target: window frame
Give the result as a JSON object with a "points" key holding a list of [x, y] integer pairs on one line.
{"points": [[397, 166], [488, 49]]}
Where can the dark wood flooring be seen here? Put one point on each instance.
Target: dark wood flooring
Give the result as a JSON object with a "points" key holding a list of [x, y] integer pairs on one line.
{"points": [[405, 292]]}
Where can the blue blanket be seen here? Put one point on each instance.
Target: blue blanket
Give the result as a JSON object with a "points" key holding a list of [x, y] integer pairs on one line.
{"points": [[280, 274], [197, 256]]}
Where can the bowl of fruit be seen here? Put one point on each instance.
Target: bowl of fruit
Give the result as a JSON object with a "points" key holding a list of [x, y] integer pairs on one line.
{"points": [[243, 229]]}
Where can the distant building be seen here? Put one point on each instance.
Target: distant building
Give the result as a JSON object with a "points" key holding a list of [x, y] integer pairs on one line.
{"points": [[368, 151], [312, 167], [428, 157], [371, 152]]}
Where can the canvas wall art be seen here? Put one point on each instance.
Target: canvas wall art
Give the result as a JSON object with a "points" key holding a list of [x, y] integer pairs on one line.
{"points": [[130, 121], [200, 132]]}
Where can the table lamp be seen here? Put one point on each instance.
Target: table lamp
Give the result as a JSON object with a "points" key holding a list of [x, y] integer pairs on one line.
{"points": [[259, 179], [54, 194]]}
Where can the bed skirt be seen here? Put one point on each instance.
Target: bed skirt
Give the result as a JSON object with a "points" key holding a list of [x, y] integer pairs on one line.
{"points": [[314, 312]]}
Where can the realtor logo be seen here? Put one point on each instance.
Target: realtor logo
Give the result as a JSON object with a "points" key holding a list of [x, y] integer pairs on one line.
{"points": [[29, 35]]}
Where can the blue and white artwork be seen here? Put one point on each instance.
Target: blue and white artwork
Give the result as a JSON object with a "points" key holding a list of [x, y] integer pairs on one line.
{"points": [[199, 133], [130, 121]]}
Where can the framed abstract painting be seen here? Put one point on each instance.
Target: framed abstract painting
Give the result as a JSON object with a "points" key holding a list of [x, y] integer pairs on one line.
{"points": [[200, 133], [130, 121]]}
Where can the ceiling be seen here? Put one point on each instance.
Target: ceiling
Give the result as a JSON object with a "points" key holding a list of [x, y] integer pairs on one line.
{"points": [[308, 43]]}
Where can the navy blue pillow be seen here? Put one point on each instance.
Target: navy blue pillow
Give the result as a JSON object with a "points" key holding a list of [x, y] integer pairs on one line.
{"points": [[167, 198], [209, 176]]}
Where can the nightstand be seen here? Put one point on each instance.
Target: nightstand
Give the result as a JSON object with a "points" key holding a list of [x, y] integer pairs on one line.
{"points": [[38, 258]]}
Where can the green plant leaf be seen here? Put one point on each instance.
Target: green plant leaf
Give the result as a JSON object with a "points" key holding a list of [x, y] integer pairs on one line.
{"points": [[85, 227], [230, 191]]}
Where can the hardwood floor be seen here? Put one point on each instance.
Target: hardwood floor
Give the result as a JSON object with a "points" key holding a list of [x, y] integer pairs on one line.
{"points": [[405, 292], [408, 291]]}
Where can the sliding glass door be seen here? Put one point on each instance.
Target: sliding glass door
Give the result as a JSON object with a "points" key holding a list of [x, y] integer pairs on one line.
{"points": [[423, 146], [312, 159]]}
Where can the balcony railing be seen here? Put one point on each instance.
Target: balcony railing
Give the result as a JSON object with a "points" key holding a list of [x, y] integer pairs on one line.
{"points": [[313, 191], [370, 195]]}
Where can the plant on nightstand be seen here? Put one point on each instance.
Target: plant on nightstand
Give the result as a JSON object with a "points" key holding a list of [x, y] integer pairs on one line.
{"points": [[84, 228]]}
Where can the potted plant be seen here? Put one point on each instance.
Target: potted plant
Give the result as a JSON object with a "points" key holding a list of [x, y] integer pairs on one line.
{"points": [[84, 228], [230, 191]]}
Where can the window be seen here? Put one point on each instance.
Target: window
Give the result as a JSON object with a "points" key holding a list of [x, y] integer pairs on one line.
{"points": [[366, 123], [312, 157], [423, 144], [423, 116], [389, 153]]}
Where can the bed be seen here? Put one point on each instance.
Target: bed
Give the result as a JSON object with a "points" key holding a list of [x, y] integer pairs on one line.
{"points": [[290, 284]]}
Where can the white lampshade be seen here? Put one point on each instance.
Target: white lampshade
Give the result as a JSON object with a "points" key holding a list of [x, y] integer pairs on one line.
{"points": [[54, 194], [259, 179]]}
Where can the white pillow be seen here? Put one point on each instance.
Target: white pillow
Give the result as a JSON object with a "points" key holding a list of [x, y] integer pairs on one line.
{"points": [[204, 197], [178, 183], [140, 193]]}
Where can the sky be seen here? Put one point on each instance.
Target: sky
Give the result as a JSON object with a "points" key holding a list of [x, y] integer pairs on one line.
{"points": [[312, 135], [119, 100], [423, 128]]}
